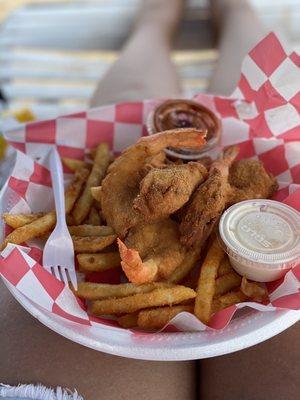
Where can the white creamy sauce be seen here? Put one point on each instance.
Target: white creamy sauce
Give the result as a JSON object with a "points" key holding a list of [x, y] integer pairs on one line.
{"points": [[262, 238]]}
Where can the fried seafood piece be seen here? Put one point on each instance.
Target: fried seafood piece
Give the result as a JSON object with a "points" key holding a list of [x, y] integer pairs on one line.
{"points": [[157, 161], [121, 185], [250, 180], [151, 251], [208, 202], [206, 161], [165, 190]]}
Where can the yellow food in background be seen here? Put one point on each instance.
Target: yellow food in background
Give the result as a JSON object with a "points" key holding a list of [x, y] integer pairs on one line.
{"points": [[22, 115], [3, 145]]}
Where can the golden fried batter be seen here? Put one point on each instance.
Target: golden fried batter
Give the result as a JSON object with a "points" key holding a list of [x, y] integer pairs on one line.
{"points": [[250, 180], [246, 179], [163, 191], [121, 185], [208, 202], [151, 251]]}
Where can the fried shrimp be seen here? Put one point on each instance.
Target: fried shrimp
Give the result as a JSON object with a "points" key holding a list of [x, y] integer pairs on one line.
{"points": [[121, 185], [250, 180], [151, 251], [229, 182], [208, 202], [164, 191]]}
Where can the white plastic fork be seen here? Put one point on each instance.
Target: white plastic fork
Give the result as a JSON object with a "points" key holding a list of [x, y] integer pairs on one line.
{"points": [[58, 255]]}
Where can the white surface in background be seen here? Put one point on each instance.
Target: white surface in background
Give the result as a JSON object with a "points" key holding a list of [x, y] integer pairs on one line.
{"points": [[105, 24], [33, 73]]}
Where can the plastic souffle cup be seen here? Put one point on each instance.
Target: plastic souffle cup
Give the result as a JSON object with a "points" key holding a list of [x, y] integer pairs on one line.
{"points": [[261, 238], [182, 113]]}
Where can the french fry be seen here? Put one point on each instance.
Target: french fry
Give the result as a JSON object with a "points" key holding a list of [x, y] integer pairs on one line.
{"points": [[228, 299], [159, 317], [85, 231], [185, 267], [74, 164], [94, 217], [96, 193], [92, 154], [254, 290], [96, 291], [92, 244], [84, 203], [128, 321], [32, 230], [227, 282], [17, 220], [98, 262], [74, 189], [225, 266], [90, 230], [156, 298], [207, 282], [45, 223]]}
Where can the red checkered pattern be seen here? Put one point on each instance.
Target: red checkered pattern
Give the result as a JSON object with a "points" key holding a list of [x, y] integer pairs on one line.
{"points": [[32, 183], [34, 282], [261, 117]]}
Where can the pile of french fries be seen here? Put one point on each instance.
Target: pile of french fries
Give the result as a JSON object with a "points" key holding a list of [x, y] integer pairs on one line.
{"points": [[213, 287], [151, 306]]}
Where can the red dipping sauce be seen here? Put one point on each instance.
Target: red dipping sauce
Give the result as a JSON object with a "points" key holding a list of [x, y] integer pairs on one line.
{"points": [[179, 113]]}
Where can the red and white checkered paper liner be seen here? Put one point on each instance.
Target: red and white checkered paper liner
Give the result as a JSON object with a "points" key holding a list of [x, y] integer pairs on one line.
{"points": [[261, 117]]}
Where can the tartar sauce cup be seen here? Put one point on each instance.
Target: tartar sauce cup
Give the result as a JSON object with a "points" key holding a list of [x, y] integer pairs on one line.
{"points": [[261, 238]]}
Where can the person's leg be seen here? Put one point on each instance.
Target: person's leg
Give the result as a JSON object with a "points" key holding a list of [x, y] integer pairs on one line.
{"points": [[269, 370], [144, 68], [239, 29], [32, 353]]}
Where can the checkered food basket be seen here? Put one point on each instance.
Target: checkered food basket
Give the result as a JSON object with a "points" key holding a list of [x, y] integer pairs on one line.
{"points": [[261, 117]]}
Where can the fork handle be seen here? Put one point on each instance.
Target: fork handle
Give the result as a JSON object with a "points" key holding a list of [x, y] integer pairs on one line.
{"points": [[57, 178]]}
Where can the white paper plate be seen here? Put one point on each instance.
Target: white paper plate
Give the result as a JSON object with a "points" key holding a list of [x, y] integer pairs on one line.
{"points": [[244, 331], [249, 328]]}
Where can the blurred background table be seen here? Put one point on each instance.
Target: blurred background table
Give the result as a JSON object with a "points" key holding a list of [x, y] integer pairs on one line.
{"points": [[53, 52]]}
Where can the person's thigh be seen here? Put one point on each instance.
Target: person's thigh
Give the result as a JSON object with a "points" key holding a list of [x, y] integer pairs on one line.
{"points": [[270, 370], [31, 353]]}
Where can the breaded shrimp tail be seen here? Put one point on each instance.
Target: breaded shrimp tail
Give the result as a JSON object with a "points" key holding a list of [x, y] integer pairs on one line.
{"points": [[135, 270]]}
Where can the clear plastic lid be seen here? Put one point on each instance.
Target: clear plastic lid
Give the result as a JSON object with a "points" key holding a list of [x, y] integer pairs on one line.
{"points": [[263, 231]]}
